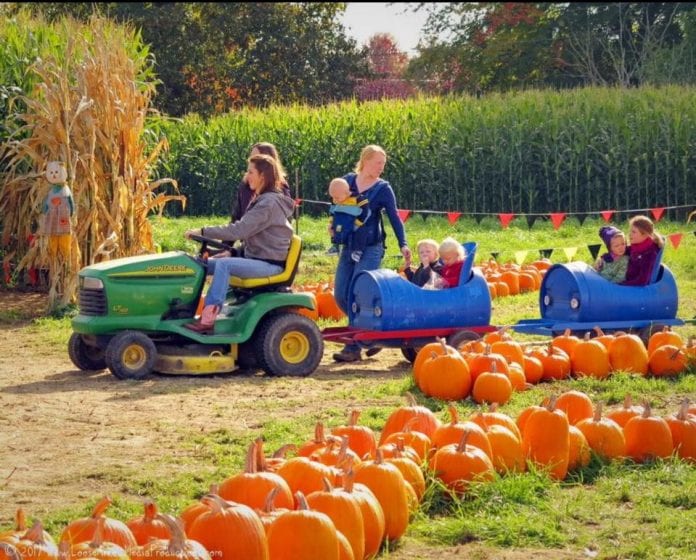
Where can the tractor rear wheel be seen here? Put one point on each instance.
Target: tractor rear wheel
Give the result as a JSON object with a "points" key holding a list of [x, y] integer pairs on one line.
{"points": [[288, 344], [410, 353], [131, 355], [85, 356]]}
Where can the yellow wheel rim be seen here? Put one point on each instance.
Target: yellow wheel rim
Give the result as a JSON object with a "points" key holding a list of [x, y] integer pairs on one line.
{"points": [[294, 347], [134, 356]]}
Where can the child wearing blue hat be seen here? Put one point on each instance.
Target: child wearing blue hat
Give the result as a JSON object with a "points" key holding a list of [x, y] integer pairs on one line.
{"points": [[613, 264]]}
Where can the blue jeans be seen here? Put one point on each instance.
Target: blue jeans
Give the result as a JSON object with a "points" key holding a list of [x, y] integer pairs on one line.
{"points": [[347, 270], [224, 267]]}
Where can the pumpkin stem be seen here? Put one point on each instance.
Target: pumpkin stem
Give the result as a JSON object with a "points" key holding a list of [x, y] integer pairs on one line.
{"points": [[98, 538], [348, 480], [410, 399], [551, 404], [354, 416], [598, 331], [328, 487], [101, 506], [454, 415], [683, 412], [493, 407], [270, 499], [20, 520], [646, 409], [379, 457], [462, 442], [282, 451], [35, 534], [319, 433], [150, 511], [251, 464], [597, 412], [177, 539], [628, 401], [443, 343], [301, 501], [587, 336]]}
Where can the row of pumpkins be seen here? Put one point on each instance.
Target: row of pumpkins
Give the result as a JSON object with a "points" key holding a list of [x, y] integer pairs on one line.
{"points": [[503, 280], [344, 494], [491, 368]]}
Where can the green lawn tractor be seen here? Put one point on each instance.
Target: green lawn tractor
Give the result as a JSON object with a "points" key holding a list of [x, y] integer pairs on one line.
{"points": [[132, 313]]}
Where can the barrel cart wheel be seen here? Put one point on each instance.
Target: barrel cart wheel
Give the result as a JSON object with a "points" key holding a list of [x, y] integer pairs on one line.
{"points": [[288, 344], [457, 339], [410, 353], [131, 355]]}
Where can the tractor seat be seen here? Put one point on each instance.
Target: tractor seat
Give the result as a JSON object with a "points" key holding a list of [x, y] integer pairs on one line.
{"points": [[284, 278]]}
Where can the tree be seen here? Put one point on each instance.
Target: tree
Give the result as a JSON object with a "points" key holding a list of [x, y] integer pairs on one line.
{"points": [[387, 65], [211, 57]]}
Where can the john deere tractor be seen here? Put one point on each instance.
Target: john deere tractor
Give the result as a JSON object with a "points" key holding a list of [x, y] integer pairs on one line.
{"points": [[132, 313]]}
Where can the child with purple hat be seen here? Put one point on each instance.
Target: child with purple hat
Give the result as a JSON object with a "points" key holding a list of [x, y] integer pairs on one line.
{"points": [[613, 264]]}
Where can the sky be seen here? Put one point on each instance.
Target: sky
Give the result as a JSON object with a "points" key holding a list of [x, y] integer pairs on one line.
{"points": [[363, 19]]}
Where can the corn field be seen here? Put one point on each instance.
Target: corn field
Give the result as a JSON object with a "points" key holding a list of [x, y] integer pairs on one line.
{"points": [[88, 110], [581, 150]]}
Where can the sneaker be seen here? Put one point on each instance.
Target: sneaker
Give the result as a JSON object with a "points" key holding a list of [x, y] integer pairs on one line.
{"points": [[333, 250], [356, 256], [347, 356]]}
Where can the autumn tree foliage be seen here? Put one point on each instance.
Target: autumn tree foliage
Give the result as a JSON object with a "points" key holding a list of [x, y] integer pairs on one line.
{"points": [[386, 64]]}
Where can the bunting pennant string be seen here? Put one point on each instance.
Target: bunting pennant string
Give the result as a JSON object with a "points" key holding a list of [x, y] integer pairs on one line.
{"points": [[594, 249], [496, 253], [520, 256], [505, 219], [404, 215], [545, 253], [530, 220], [607, 214], [675, 239], [570, 252], [557, 219], [657, 213], [453, 217]]}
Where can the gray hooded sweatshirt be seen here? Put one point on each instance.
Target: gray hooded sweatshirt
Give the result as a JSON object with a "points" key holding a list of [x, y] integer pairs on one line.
{"points": [[264, 228]]}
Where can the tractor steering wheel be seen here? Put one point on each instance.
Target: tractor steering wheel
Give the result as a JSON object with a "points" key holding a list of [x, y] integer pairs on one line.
{"points": [[208, 242]]}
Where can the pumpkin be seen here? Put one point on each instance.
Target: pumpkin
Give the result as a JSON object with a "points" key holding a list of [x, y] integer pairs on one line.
{"points": [[512, 279], [399, 449], [453, 432], [411, 471], [97, 548], [546, 439], [590, 358], [302, 534], [327, 306], [511, 350], [269, 512], [485, 362], [496, 336], [252, 486], [566, 342], [604, 436], [667, 360], [190, 513], [8, 552], [372, 513], [578, 450], [683, 428], [524, 415], [213, 529], [343, 509], [492, 416], [556, 362], [422, 355], [113, 531], [412, 438], [12, 536], [34, 545], [533, 369], [606, 339], [445, 375], [345, 552], [426, 422], [458, 464], [304, 475], [516, 377], [647, 437], [502, 289], [492, 387], [625, 413], [313, 314], [663, 338], [361, 439], [319, 442], [176, 547], [506, 448], [148, 525], [336, 455], [576, 404], [388, 485], [628, 353]]}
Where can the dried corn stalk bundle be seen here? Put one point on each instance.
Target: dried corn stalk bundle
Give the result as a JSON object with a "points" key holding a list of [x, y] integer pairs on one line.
{"points": [[89, 112]]}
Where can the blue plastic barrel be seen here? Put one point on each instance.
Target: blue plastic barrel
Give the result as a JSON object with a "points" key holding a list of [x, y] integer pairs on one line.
{"points": [[382, 300], [576, 292]]}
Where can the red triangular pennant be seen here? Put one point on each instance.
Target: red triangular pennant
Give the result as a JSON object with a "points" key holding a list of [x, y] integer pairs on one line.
{"points": [[657, 213], [505, 219], [557, 219], [453, 217], [607, 214], [675, 239], [403, 215]]}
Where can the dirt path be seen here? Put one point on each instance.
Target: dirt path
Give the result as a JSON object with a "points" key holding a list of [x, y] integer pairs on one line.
{"points": [[66, 435]]}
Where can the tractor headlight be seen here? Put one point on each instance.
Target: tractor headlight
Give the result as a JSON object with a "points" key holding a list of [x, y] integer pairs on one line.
{"points": [[378, 311], [547, 300], [574, 303], [90, 283]]}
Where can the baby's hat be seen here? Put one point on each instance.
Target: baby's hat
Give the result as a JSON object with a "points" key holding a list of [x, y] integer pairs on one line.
{"points": [[607, 233]]}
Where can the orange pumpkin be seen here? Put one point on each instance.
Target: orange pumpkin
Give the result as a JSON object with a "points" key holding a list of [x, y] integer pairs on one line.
{"points": [[361, 439], [566, 342], [546, 439], [604, 436], [372, 513], [628, 353], [446, 375], [683, 428], [510, 350], [506, 449], [450, 433], [647, 437], [113, 531], [412, 438], [327, 306], [148, 525], [492, 387], [576, 404], [305, 475], [493, 417], [426, 422], [8, 552], [578, 450], [590, 358], [625, 413], [667, 360], [457, 465], [533, 369], [176, 547], [556, 362], [97, 548], [485, 362], [605, 339], [662, 338], [34, 545]]}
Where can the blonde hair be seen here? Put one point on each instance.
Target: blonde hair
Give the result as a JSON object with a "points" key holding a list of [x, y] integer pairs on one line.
{"points": [[428, 242], [366, 153], [646, 226], [451, 245], [338, 182]]}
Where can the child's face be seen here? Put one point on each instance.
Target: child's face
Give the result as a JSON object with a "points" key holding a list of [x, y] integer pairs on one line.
{"points": [[618, 245], [636, 236], [339, 191], [449, 257], [427, 254]]}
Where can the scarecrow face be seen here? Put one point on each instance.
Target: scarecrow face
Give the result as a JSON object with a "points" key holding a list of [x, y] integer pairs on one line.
{"points": [[56, 172]]}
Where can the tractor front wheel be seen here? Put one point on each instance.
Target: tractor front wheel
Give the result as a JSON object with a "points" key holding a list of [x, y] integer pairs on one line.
{"points": [[288, 344], [85, 356], [131, 355]]}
